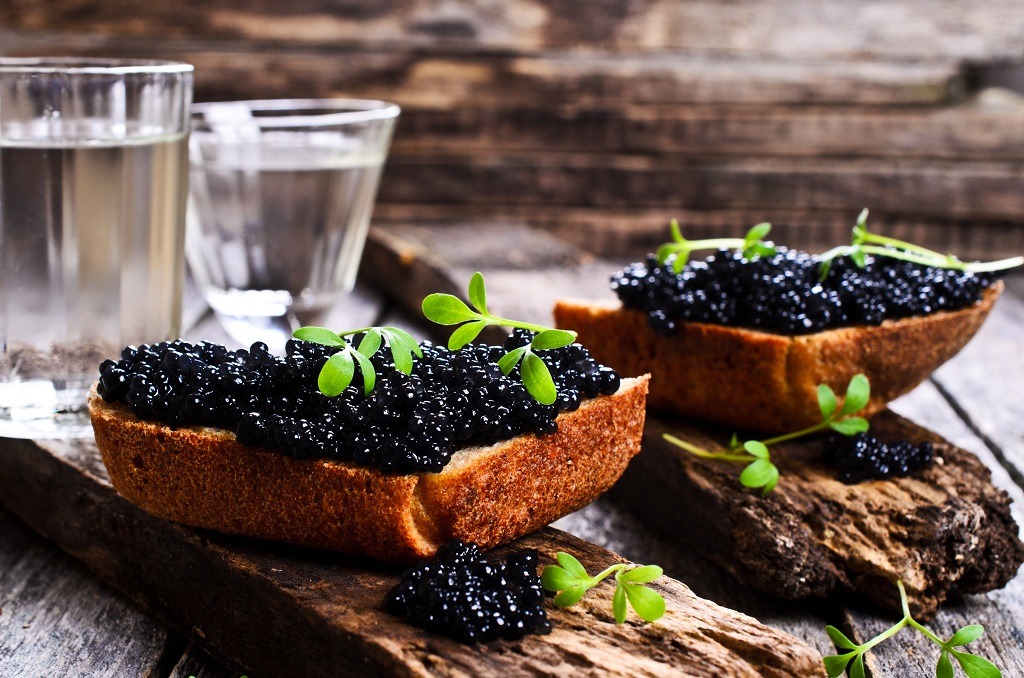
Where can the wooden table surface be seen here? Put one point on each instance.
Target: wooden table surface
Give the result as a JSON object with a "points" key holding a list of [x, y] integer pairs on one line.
{"points": [[57, 618]]}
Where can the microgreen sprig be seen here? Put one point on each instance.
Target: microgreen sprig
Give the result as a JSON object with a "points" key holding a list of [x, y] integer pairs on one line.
{"points": [[864, 242], [339, 370], [569, 579], [760, 472], [973, 665], [752, 245], [447, 309]]}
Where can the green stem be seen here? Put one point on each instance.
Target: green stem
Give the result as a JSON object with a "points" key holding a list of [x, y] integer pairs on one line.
{"points": [[714, 244], [495, 320], [704, 454], [601, 576], [768, 442], [903, 245], [884, 635]]}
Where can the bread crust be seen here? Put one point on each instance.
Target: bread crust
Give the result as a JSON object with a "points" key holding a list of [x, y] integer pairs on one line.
{"points": [[489, 495], [768, 382]]}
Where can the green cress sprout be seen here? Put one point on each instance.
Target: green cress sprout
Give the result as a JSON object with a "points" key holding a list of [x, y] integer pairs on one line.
{"points": [[569, 579], [865, 243], [752, 245], [446, 309], [339, 370], [760, 472], [973, 665]]}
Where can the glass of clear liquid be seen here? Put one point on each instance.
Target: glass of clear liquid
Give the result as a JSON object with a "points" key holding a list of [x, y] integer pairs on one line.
{"points": [[280, 202], [93, 190]]}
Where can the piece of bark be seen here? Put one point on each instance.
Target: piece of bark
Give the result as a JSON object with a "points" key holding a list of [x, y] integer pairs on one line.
{"points": [[941, 530], [283, 611]]}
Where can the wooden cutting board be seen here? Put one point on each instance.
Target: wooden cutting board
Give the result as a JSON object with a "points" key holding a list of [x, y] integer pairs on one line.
{"points": [[280, 611]]}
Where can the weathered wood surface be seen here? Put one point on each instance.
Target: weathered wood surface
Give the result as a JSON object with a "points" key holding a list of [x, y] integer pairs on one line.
{"points": [[49, 600], [979, 189], [899, 30], [327, 618], [623, 234]]}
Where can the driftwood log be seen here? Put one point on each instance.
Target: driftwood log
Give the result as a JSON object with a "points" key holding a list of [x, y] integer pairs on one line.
{"points": [[279, 611], [943, 529]]}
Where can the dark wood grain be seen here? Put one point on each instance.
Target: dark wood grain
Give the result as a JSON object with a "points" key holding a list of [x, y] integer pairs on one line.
{"points": [[282, 611], [57, 619], [899, 30]]}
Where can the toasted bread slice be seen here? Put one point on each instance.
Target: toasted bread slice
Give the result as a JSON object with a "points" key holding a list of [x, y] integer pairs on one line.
{"points": [[489, 495], [768, 382]]}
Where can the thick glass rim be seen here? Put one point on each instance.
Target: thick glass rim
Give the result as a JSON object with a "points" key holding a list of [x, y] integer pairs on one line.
{"points": [[335, 112], [91, 65]]}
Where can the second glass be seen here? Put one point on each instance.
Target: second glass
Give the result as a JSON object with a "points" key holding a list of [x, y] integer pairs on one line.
{"points": [[281, 194]]}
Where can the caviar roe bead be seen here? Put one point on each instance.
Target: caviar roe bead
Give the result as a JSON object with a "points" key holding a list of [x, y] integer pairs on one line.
{"points": [[863, 457], [783, 293], [472, 599], [408, 424]]}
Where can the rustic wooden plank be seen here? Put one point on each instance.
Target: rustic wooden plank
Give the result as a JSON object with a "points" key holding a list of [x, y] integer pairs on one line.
{"points": [[590, 78], [628, 234], [904, 29], [195, 663], [950, 190], [327, 615], [984, 381], [985, 127], [57, 619]]}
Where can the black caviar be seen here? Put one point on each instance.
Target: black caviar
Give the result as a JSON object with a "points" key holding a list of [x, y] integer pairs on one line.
{"points": [[863, 457], [408, 423], [471, 599], [783, 292]]}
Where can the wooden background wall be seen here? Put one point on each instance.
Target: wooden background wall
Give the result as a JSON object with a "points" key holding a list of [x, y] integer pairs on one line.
{"points": [[603, 119]]}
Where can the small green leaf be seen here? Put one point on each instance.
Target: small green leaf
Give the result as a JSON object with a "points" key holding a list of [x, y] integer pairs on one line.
{"points": [[477, 293], [619, 605], [402, 357], [508, 362], [757, 474], [644, 574], [336, 374], [977, 667], [648, 603], [537, 379], [757, 232], [371, 343], [734, 442], [851, 426], [571, 565], [445, 309], [677, 235], [757, 449], [944, 669], [570, 596], [857, 667], [465, 334], [555, 578], [367, 370], [826, 401], [966, 635], [399, 337], [319, 335], [839, 639], [664, 252], [835, 665], [857, 395], [549, 339]]}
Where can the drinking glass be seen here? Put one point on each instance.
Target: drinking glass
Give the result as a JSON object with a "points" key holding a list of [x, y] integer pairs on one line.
{"points": [[280, 202], [93, 188]]}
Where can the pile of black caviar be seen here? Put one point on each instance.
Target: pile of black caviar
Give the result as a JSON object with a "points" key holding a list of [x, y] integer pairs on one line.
{"points": [[784, 292], [471, 599], [408, 423], [863, 457]]}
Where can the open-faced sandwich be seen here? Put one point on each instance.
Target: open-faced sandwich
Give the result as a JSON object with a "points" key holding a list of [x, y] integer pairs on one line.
{"points": [[366, 442]]}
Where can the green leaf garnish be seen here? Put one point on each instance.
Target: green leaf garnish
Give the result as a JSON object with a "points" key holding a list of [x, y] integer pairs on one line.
{"points": [[570, 581], [340, 369], [752, 245], [973, 665], [760, 473], [864, 243], [447, 309]]}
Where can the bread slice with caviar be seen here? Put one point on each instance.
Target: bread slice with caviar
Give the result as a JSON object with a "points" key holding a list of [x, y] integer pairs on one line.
{"points": [[490, 494], [765, 381]]}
